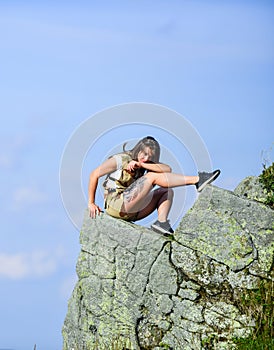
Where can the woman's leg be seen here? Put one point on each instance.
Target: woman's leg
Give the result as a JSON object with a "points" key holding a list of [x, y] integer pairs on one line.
{"points": [[161, 200], [171, 179], [139, 197]]}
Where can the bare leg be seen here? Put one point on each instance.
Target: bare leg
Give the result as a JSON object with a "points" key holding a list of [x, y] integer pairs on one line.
{"points": [[165, 203], [161, 200], [139, 198], [171, 179]]}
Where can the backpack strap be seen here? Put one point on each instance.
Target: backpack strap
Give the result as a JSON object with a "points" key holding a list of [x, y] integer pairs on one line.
{"points": [[109, 184]]}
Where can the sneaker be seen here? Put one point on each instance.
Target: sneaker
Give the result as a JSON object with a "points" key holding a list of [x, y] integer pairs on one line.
{"points": [[206, 178], [162, 227]]}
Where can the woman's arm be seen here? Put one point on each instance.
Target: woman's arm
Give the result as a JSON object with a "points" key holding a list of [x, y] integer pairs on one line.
{"points": [[156, 167], [106, 167]]}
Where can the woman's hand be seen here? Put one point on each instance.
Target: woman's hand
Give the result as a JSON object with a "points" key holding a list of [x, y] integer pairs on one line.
{"points": [[132, 165], [94, 210]]}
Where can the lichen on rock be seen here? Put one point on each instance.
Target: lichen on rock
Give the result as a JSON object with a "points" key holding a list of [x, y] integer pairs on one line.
{"points": [[140, 290]]}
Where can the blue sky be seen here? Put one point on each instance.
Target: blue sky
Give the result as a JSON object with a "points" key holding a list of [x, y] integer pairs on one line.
{"points": [[63, 62]]}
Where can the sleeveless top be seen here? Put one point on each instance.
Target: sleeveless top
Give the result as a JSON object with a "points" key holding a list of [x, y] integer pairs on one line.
{"points": [[121, 179]]}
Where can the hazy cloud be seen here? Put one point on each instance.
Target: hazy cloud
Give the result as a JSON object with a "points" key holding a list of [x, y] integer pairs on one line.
{"points": [[27, 195], [34, 264]]}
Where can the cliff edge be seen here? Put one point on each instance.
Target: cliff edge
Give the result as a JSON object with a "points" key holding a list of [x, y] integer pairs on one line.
{"points": [[140, 290]]}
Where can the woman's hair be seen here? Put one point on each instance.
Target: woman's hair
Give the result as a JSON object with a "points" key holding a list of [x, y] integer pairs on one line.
{"points": [[147, 141]]}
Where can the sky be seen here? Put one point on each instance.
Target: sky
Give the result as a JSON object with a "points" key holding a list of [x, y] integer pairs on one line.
{"points": [[68, 65]]}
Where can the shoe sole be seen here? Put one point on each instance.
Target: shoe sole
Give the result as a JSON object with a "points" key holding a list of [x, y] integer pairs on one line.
{"points": [[208, 181], [158, 229]]}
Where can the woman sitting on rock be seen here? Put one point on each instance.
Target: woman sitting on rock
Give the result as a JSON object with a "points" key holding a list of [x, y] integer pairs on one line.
{"points": [[131, 176]]}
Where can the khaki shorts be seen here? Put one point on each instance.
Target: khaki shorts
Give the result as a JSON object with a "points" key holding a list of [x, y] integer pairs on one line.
{"points": [[114, 203]]}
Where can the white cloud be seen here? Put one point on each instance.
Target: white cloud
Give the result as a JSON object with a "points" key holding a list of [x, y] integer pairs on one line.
{"points": [[13, 266], [24, 265], [26, 195]]}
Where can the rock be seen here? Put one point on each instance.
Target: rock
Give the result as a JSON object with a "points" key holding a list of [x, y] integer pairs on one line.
{"points": [[251, 188], [140, 290], [229, 229]]}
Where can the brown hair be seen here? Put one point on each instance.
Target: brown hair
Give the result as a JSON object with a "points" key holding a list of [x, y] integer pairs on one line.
{"points": [[147, 141]]}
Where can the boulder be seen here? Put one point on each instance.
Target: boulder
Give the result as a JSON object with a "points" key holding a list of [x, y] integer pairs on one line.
{"points": [[140, 290]]}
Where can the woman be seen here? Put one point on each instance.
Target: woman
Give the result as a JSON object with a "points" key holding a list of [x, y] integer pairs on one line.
{"points": [[131, 176]]}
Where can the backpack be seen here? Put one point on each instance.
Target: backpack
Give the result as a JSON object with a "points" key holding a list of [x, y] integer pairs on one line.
{"points": [[120, 179]]}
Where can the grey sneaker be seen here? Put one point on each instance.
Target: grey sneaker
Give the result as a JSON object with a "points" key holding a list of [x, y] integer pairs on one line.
{"points": [[206, 178], [162, 227]]}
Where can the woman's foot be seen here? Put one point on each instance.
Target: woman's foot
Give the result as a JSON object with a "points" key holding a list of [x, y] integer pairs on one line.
{"points": [[206, 178], [162, 227]]}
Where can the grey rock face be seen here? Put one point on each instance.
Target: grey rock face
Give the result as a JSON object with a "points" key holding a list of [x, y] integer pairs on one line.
{"points": [[251, 188], [140, 290]]}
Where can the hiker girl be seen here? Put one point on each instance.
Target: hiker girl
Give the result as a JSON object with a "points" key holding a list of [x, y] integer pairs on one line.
{"points": [[131, 176]]}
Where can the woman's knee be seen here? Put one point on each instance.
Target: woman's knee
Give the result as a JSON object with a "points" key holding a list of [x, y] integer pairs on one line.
{"points": [[151, 177], [155, 178]]}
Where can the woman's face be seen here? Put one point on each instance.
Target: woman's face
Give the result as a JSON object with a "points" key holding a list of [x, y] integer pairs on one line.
{"points": [[145, 155]]}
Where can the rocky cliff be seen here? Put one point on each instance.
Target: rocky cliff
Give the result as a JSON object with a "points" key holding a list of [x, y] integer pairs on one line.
{"points": [[140, 290]]}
